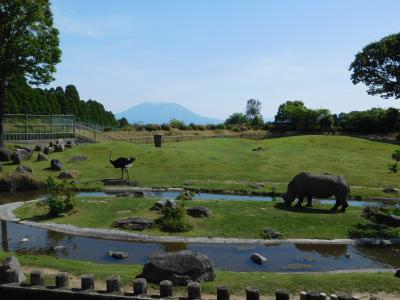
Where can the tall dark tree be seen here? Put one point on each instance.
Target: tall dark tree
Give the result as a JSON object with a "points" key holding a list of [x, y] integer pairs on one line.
{"points": [[29, 45], [378, 67]]}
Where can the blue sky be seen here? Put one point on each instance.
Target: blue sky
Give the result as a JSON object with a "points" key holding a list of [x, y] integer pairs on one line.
{"points": [[211, 56]]}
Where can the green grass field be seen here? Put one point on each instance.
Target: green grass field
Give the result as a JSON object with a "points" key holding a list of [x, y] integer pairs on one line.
{"points": [[241, 219], [236, 281], [231, 164]]}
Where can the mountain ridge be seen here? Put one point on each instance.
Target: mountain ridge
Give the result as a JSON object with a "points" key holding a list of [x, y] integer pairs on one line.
{"points": [[163, 112]]}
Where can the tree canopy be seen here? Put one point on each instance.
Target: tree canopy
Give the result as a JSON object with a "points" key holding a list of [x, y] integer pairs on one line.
{"points": [[29, 45], [378, 67]]}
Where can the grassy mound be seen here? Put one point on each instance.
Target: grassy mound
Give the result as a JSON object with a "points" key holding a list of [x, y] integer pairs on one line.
{"points": [[241, 219]]}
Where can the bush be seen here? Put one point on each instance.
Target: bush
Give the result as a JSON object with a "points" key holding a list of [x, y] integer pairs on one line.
{"points": [[174, 123], [151, 127], [396, 155], [16, 182], [393, 167], [61, 198], [165, 127], [173, 219], [107, 129]]}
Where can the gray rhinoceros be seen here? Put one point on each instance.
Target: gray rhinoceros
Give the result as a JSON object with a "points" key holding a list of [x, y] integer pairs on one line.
{"points": [[311, 185]]}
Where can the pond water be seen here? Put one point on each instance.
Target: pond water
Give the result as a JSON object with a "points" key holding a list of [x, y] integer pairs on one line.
{"points": [[211, 196], [284, 257]]}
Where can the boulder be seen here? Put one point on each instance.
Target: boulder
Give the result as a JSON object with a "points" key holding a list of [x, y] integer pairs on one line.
{"points": [[59, 148], [185, 195], [159, 205], [38, 148], [59, 142], [258, 258], [134, 223], [69, 175], [48, 150], [11, 263], [56, 165], [19, 155], [51, 144], [42, 157], [117, 254], [269, 233], [5, 154], [397, 273], [180, 267], [199, 212], [78, 158], [23, 169]]}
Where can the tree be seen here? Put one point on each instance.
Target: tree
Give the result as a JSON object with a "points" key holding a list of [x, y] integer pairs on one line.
{"points": [[253, 108], [29, 45], [378, 67], [237, 119], [122, 123]]}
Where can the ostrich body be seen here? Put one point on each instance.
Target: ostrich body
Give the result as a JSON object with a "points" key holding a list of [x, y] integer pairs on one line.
{"points": [[122, 163]]}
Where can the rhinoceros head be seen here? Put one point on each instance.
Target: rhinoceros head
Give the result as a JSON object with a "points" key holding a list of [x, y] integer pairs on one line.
{"points": [[290, 195]]}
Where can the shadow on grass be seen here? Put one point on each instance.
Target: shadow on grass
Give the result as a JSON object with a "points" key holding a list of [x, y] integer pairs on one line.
{"points": [[372, 230], [307, 210]]}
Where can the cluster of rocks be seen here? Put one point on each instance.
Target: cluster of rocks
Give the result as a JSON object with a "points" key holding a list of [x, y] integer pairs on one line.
{"points": [[271, 234], [117, 254], [134, 223], [58, 146], [196, 211], [381, 216]]}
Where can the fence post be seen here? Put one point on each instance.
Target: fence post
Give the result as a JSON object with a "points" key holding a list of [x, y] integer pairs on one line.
{"points": [[87, 282], [37, 278], [140, 286], [165, 289], [12, 276], [281, 294], [113, 284], [62, 280], [252, 293], [194, 291], [303, 295], [222, 293]]}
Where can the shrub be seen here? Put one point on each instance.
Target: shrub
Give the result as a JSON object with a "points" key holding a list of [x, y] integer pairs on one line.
{"points": [[393, 167], [107, 129], [151, 127], [396, 155], [139, 127], [61, 198], [165, 127], [174, 123], [17, 181], [173, 219]]}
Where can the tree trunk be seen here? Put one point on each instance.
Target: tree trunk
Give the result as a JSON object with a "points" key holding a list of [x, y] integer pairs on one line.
{"points": [[2, 105]]}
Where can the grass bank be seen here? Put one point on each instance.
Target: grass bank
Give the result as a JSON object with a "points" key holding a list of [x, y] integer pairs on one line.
{"points": [[236, 281], [240, 219], [232, 164]]}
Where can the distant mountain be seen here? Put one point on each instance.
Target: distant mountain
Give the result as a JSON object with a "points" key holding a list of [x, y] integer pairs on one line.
{"points": [[158, 113]]}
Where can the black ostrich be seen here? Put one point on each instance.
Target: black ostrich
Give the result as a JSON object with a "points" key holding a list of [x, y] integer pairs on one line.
{"points": [[122, 163]]}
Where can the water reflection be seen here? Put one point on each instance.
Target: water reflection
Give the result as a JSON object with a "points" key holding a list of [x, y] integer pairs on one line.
{"points": [[235, 257], [323, 249]]}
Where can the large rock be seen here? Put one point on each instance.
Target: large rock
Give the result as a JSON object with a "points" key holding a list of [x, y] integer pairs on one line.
{"points": [[48, 150], [5, 154], [38, 148], [199, 212], [42, 157], [19, 155], [117, 254], [23, 169], [390, 190], [258, 258], [69, 175], [59, 148], [11, 263], [134, 223], [185, 195], [56, 165], [180, 267], [160, 204]]}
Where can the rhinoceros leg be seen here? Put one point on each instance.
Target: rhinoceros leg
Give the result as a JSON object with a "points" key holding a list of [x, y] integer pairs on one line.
{"points": [[309, 201], [335, 207], [301, 197]]}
